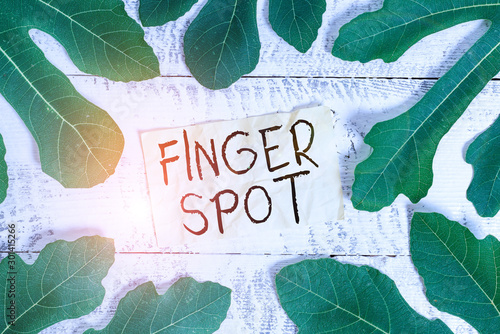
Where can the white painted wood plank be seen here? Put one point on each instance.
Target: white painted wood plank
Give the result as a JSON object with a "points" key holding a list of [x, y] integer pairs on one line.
{"points": [[44, 211], [120, 208], [430, 58], [254, 302]]}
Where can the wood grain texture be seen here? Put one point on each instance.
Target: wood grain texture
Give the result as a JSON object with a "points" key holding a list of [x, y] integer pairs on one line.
{"points": [[120, 207], [284, 80], [254, 302], [430, 58]]}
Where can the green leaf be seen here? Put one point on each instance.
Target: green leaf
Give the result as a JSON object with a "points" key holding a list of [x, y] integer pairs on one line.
{"points": [[63, 283], [326, 296], [79, 143], [484, 155], [187, 307], [4, 178], [461, 274], [297, 21], [99, 36], [158, 12], [404, 147], [222, 44]]}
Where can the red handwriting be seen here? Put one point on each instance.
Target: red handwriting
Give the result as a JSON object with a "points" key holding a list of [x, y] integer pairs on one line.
{"points": [[207, 160]]}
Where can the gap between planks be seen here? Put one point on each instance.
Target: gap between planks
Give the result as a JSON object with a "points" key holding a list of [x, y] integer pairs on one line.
{"points": [[241, 254], [291, 77], [297, 77]]}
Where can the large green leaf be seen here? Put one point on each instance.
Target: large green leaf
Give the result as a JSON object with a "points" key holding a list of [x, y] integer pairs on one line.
{"points": [[158, 12], [461, 274], [63, 283], [187, 307], [222, 43], [79, 143], [404, 147], [4, 178], [326, 296], [484, 155], [297, 21]]}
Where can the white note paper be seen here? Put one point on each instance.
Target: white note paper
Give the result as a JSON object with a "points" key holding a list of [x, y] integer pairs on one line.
{"points": [[242, 177]]}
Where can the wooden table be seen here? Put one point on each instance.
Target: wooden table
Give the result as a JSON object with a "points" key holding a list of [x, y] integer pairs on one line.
{"points": [[360, 94]]}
